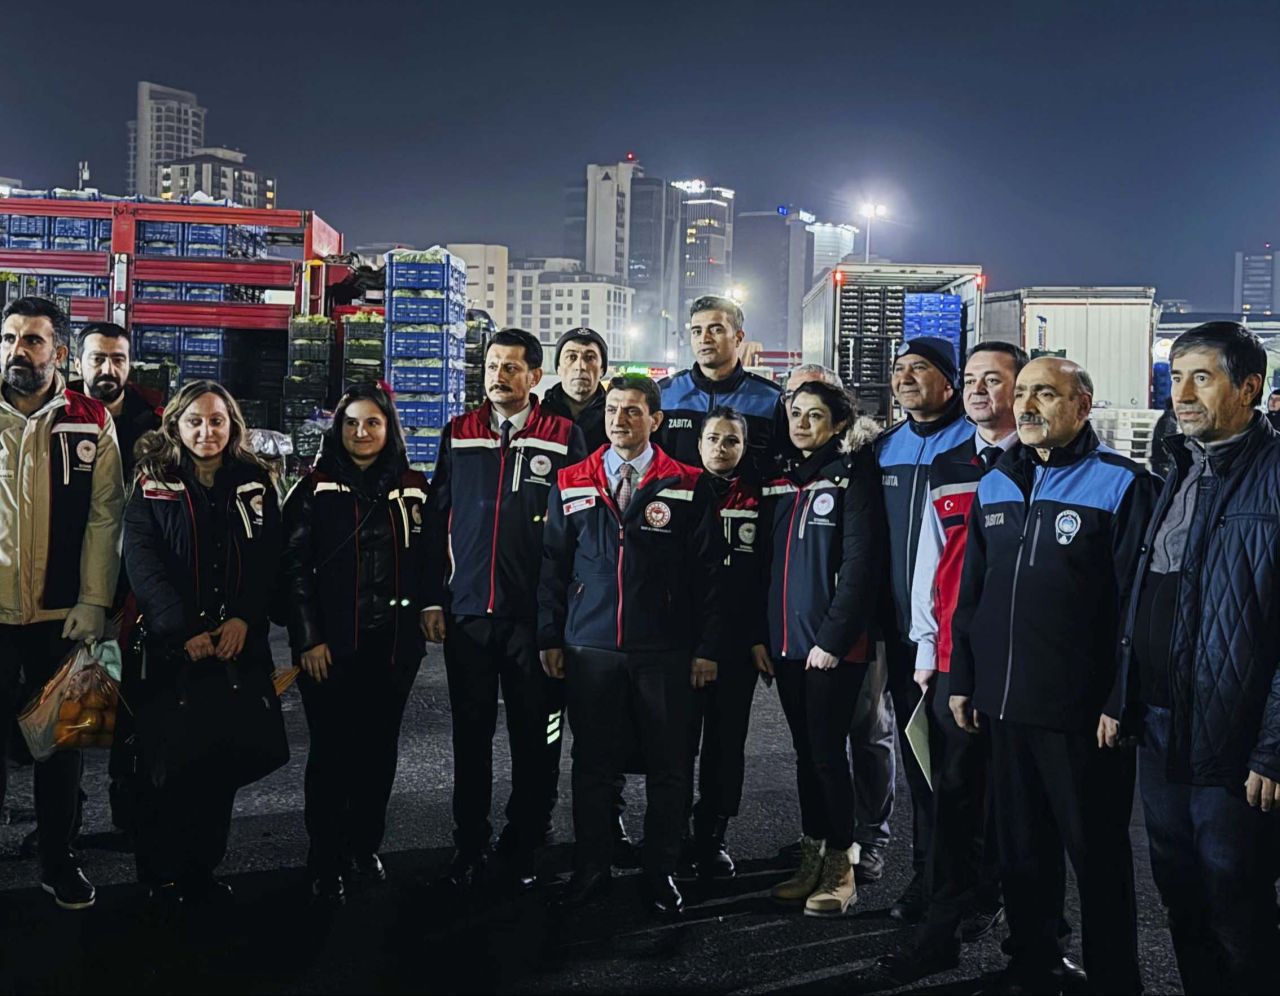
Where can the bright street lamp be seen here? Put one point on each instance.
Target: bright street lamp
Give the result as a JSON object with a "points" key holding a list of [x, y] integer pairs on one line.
{"points": [[870, 212]]}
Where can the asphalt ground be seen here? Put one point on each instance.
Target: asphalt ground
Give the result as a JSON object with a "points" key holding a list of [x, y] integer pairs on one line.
{"points": [[409, 935]]}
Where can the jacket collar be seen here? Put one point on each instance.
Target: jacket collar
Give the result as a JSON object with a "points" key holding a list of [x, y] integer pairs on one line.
{"points": [[559, 397], [536, 417], [812, 466], [953, 413], [727, 386], [661, 468], [1222, 459]]}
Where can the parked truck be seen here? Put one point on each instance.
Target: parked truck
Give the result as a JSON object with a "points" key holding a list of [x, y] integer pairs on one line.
{"points": [[1107, 330], [855, 316]]}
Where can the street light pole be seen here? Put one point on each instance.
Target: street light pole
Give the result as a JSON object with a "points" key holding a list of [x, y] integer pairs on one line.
{"points": [[870, 212]]}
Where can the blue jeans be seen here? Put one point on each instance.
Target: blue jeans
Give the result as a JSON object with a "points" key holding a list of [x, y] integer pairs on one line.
{"points": [[1212, 855]]}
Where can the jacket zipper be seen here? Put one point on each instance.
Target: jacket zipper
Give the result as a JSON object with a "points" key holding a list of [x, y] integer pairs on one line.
{"points": [[493, 547], [808, 503], [355, 504], [195, 543], [66, 458], [786, 572], [515, 477], [1035, 541], [911, 514], [1013, 594], [621, 552], [396, 607]]}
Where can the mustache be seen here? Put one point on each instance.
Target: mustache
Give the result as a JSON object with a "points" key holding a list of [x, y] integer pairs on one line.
{"points": [[1031, 420], [15, 362]]}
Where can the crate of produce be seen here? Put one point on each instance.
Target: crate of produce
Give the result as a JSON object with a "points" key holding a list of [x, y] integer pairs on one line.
{"points": [[28, 224], [219, 368], [301, 411], [314, 327], [425, 413], [420, 377], [257, 413], [426, 276], [422, 449], [158, 340], [158, 376], [206, 342], [363, 371], [203, 292], [309, 371], [102, 228], [311, 350], [168, 232], [443, 309], [297, 389], [76, 228], [72, 243], [199, 234], [364, 343], [145, 291], [424, 343], [25, 241]]}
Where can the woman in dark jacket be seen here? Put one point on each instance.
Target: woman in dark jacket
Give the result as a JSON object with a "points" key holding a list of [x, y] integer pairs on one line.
{"points": [[825, 526], [201, 544], [353, 568]]}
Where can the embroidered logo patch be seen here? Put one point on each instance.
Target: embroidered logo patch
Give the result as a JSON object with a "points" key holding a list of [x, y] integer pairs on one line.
{"points": [[823, 504], [540, 465], [1066, 525], [86, 450], [579, 504], [657, 514], [747, 532]]}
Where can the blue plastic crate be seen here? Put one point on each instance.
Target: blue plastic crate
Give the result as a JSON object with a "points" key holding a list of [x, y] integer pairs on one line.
{"points": [[427, 310], [206, 342], [205, 367], [28, 224], [26, 241], [72, 243], [422, 449], [206, 235], [434, 414], [102, 228], [423, 345], [158, 341], [157, 291], [427, 276], [206, 252], [419, 380], [160, 231], [77, 228], [70, 286], [203, 292], [157, 249]]}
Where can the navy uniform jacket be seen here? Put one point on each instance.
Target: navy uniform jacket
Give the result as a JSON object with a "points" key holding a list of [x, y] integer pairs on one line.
{"points": [[746, 576], [1049, 563], [487, 511], [689, 395], [904, 454], [650, 580]]}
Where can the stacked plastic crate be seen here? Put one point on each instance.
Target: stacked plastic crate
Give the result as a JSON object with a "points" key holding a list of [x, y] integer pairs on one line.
{"points": [[1127, 430], [479, 328], [426, 346], [312, 343], [364, 348], [938, 315]]}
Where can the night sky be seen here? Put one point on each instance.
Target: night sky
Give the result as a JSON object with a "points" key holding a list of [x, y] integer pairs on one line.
{"points": [[1053, 143]]}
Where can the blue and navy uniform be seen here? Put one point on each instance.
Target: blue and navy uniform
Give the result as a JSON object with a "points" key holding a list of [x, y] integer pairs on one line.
{"points": [[904, 454], [689, 395], [1050, 559]]}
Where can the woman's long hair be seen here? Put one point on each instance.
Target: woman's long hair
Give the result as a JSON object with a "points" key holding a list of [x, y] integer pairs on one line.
{"points": [[393, 452], [160, 452]]}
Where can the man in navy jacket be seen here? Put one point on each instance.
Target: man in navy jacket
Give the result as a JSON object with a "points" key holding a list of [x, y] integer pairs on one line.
{"points": [[488, 503], [629, 613], [1054, 538]]}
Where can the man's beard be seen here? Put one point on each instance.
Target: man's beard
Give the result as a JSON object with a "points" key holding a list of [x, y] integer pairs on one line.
{"points": [[106, 389], [26, 379]]}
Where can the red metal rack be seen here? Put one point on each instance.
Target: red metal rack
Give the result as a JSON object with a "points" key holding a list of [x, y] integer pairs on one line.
{"points": [[123, 265]]}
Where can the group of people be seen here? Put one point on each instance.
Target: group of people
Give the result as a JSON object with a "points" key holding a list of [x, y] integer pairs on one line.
{"points": [[1043, 620]]}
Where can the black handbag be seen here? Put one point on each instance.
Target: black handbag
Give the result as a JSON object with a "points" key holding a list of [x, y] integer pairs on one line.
{"points": [[217, 718]]}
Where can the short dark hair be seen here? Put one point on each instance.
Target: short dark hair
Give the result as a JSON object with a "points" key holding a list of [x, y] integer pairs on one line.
{"points": [[1020, 358], [1274, 393], [42, 307], [1240, 352], [729, 414], [638, 382], [109, 330], [714, 302], [838, 401], [519, 337]]}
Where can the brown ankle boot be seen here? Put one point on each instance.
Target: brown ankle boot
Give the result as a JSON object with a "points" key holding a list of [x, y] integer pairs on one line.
{"points": [[799, 886], [836, 891]]}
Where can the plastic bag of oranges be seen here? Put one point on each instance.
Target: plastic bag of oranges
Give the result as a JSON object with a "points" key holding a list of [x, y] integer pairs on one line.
{"points": [[75, 709]]}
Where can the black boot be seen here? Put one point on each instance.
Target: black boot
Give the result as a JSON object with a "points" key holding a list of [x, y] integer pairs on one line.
{"points": [[712, 854]]}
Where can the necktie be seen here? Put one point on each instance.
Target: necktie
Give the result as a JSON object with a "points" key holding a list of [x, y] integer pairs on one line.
{"points": [[505, 441], [623, 497], [990, 454]]}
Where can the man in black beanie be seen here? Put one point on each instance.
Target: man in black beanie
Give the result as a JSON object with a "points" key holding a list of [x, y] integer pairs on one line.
{"points": [[581, 361]]}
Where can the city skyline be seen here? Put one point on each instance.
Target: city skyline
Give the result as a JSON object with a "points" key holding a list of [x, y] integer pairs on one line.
{"points": [[1082, 145]]}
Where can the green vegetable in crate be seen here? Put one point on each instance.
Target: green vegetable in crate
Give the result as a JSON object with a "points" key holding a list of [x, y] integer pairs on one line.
{"points": [[416, 292], [401, 363], [364, 318], [436, 254], [423, 432]]}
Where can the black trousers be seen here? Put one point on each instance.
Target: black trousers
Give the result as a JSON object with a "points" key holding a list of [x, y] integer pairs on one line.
{"points": [[1056, 791], [718, 734], [964, 862], [183, 826], [906, 694], [875, 768], [480, 656], [819, 706], [29, 655], [353, 718], [616, 699]]}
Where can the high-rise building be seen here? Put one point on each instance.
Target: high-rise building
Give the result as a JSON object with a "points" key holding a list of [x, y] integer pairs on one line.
{"points": [[655, 265], [831, 244], [706, 219], [486, 277], [219, 173], [169, 125], [772, 263], [550, 295], [1257, 282], [608, 217]]}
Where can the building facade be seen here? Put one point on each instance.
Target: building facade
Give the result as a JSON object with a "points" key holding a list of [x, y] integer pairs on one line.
{"points": [[221, 174], [772, 263], [487, 276], [706, 221], [1257, 282], [169, 126], [831, 244], [550, 295], [655, 265]]}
